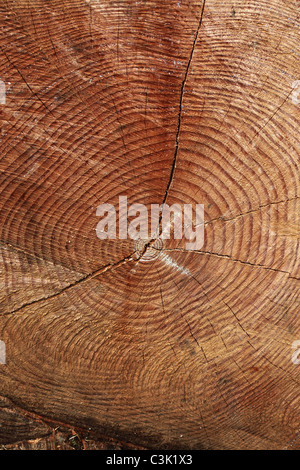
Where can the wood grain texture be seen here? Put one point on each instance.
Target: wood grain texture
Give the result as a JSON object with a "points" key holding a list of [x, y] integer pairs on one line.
{"points": [[187, 101]]}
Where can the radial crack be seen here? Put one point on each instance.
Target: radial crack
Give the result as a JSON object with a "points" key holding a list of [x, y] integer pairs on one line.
{"points": [[85, 278], [251, 211], [180, 105], [247, 263]]}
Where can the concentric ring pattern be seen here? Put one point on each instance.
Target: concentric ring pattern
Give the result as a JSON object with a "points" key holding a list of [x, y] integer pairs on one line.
{"points": [[178, 102]]}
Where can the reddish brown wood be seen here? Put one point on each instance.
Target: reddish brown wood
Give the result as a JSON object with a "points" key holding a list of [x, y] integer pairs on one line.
{"points": [[186, 101]]}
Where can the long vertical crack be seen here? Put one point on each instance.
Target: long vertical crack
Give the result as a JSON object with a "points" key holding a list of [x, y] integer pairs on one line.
{"points": [[180, 105], [173, 168]]}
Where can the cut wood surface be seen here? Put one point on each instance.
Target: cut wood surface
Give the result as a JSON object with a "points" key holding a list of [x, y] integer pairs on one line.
{"points": [[180, 101]]}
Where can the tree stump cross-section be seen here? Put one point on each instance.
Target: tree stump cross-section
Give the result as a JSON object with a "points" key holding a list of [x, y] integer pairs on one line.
{"points": [[164, 102]]}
